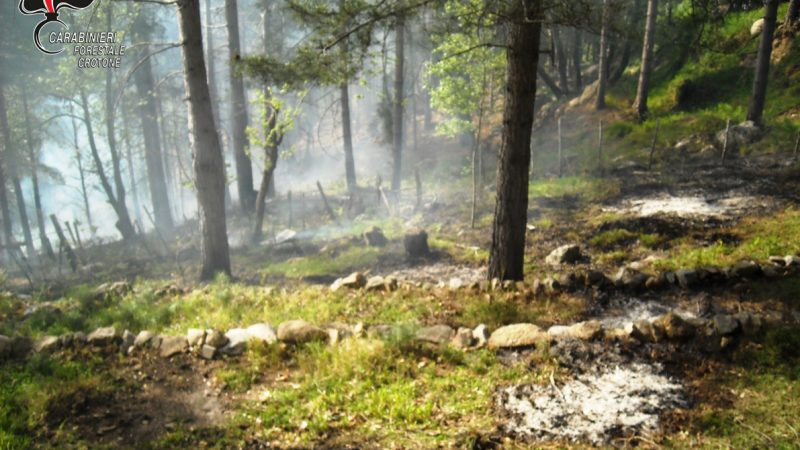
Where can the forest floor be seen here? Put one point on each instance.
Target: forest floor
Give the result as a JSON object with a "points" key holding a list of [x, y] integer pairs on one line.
{"points": [[399, 393]]}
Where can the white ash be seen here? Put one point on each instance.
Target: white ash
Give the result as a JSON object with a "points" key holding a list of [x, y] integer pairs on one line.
{"points": [[439, 273], [687, 206], [622, 313], [596, 407]]}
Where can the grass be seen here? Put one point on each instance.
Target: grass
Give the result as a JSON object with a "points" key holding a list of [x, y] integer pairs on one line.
{"points": [[590, 189]]}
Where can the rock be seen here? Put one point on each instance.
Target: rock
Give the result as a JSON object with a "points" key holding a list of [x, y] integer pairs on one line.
{"points": [[757, 27], [237, 342], [173, 345], [746, 269], [686, 278], [586, 331], [102, 337], [558, 331], [216, 339], [143, 338], [300, 332], [5, 346], [262, 332], [566, 254], [118, 288], [642, 330], [47, 344], [285, 236], [517, 335], [208, 352], [20, 346], [751, 324], [455, 284], [779, 261], [128, 339], [595, 278], [416, 244], [675, 328], [355, 280], [376, 283], [627, 278], [481, 335], [382, 332], [792, 260], [771, 272], [496, 284], [463, 339], [374, 237], [195, 337], [725, 324], [551, 285], [436, 334], [655, 282], [739, 135]]}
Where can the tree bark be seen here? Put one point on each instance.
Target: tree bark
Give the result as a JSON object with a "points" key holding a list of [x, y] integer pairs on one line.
{"points": [[507, 253], [577, 58], [270, 162], [23, 218], [397, 127], [640, 104], [793, 13], [145, 87], [561, 60], [347, 136], [602, 73], [211, 67], [44, 241], [4, 206], [756, 110], [244, 167], [208, 163]]}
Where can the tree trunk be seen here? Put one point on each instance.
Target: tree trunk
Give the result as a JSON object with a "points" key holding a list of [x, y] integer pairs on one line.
{"points": [[347, 136], [602, 73], [640, 104], [270, 162], [124, 224], [244, 168], [577, 57], [212, 91], [208, 172], [756, 110], [4, 206], [561, 60], [148, 114], [23, 218], [137, 206], [507, 253], [44, 241], [793, 13], [397, 128]]}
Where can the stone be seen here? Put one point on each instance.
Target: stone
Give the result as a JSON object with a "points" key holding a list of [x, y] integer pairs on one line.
{"points": [[102, 337], [481, 335], [285, 235], [792, 260], [117, 288], [300, 332], [20, 346], [436, 334], [558, 331], [517, 335], [750, 323], [128, 339], [5, 346], [595, 278], [376, 283], [627, 278], [779, 261], [195, 337], [455, 284], [566, 254], [675, 328], [739, 135], [746, 269], [237, 342], [463, 338], [551, 285], [686, 278], [355, 280], [374, 237], [642, 330], [47, 344], [757, 27], [496, 284], [143, 338], [262, 332], [208, 352], [173, 345], [655, 282], [216, 339], [725, 324], [586, 331], [771, 272], [382, 332], [416, 244]]}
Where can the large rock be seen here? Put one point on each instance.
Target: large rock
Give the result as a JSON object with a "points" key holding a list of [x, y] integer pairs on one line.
{"points": [[208, 352], [686, 278], [725, 324], [379, 283], [739, 135], [173, 345], [374, 237], [262, 332], [216, 339], [437, 334], [416, 244], [102, 337], [566, 254], [143, 338], [757, 27], [517, 335], [117, 288], [586, 331], [47, 344], [675, 328], [481, 335], [5, 346], [195, 337], [746, 269], [627, 278], [463, 339], [237, 341], [300, 332], [355, 280]]}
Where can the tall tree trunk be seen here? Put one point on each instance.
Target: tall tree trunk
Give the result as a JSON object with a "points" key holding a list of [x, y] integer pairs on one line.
{"points": [[602, 72], [212, 89], [137, 206], [244, 167], [347, 136], [4, 206], [81, 171], [577, 58], [148, 114], [270, 162], [208, 173], [23, 218], [44, 241], [561, 60], [397, 127], [756, 110], [507, 253], [793, 13], [124, 224], [640, 104]]}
